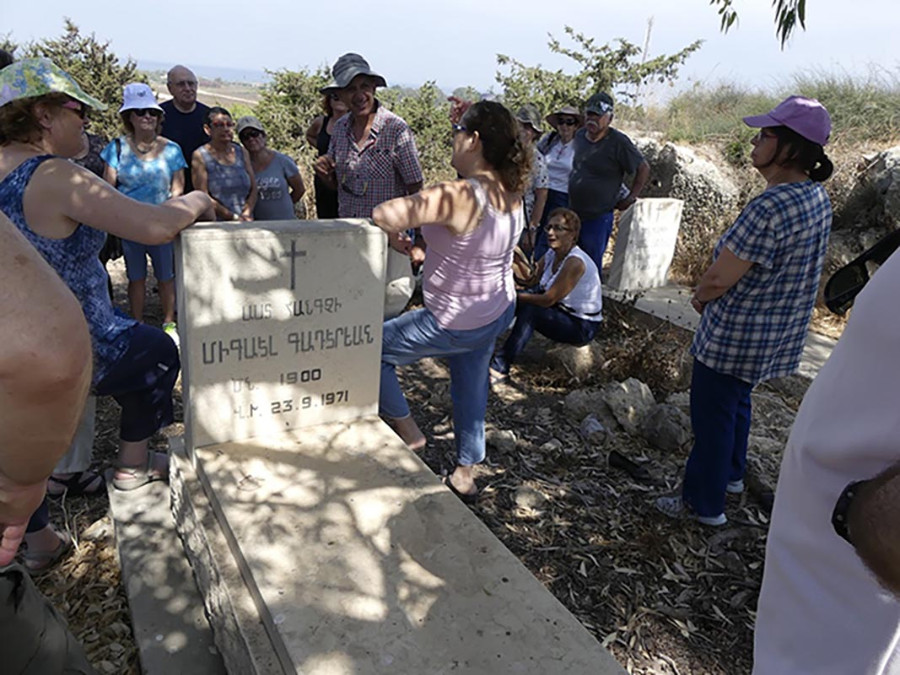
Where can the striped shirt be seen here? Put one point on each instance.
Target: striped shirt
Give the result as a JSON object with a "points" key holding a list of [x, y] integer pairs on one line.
{"points": [[376, 170], [756, 330]]}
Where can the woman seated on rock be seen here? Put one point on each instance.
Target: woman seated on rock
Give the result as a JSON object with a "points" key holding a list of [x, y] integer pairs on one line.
{"points": [[565, 306]]}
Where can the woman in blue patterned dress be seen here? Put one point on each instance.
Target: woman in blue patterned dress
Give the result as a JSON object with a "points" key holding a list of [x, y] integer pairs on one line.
{"points": [[755, 301], [147, 167], [65, 212], [222, 169]]}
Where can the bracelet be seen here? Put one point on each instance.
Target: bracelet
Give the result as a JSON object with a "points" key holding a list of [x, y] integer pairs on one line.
{"points": [[839, 515]]}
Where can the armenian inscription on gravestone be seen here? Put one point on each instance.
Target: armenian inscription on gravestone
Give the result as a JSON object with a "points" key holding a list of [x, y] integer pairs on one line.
{"points": [[280, 324]]}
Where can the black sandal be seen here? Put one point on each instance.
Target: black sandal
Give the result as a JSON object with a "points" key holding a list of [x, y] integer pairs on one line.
{"points": [[83, 483], [465, 498]]}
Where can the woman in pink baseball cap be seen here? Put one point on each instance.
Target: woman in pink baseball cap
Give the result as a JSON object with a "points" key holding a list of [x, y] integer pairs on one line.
{"points": [[755, 301]]}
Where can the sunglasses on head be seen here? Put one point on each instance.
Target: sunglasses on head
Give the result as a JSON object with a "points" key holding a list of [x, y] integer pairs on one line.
{"points": [[568, 121], [845, 284], [78, 108], [143, 112], [250, 133]]}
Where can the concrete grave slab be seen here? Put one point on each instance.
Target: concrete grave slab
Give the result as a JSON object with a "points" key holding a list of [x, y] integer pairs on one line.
{"points": [[360, 562], [645, 244], [280, 325]]}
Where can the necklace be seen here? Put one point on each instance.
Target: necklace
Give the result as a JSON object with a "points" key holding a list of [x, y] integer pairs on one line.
{"points": [[142, 151]]}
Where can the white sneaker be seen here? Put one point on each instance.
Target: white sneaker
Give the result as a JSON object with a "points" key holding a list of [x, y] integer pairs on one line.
{"points": [[735, 487], [674, 507]]}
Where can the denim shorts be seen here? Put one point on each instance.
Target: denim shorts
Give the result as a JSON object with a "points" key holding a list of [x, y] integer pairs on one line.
{"points": [[142, 382], [162, 256]]}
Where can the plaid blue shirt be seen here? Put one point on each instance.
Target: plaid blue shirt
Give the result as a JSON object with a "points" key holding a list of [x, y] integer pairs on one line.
{"points": [[757, 329]]}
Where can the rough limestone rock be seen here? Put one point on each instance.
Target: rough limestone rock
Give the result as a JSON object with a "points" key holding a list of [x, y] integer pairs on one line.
{"points": [[629, 402], [528, 498], [580, 403], [681, 399], [880, 180], [502, 439], [666, 427], [711, 196], [577, 361], [763, 445], [594, 431]]}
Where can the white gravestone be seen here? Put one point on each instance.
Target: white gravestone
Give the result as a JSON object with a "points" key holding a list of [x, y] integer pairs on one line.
{"points": [[645, 244], [280, 325]]}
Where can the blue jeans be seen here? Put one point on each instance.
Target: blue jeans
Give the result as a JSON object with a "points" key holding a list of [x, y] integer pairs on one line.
{"points": [[595, 236], [162, 256], [555, 199], [417, 335], [720, 418], [551, 322]]}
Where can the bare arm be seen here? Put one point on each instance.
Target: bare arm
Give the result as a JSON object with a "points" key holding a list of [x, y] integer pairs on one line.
{"points": [[637, 187], [177, 188], [110, 175], [724, 273], [324, 168], [540, 201], [45, 371], [568, 278], [312, 133], [872, 521], [247, 211], [451, 204], [298, 189], [60, 195]]}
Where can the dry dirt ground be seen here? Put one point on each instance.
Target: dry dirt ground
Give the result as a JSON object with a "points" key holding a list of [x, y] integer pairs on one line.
{"points": [[664, 596]]}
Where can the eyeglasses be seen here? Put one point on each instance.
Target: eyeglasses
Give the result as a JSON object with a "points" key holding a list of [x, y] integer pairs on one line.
{"points": [[76, 107], [184, 83], [551, 227], [458, 127], [567, 121], [763, 135], [845, 284], [143, 112], [222, 124], [250, 133]]}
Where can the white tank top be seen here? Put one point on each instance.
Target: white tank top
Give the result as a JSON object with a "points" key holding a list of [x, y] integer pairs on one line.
{"points": [[585, 301]]}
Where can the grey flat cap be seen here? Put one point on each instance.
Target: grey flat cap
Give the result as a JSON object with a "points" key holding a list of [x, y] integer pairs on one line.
{"points": [[346, 68]]}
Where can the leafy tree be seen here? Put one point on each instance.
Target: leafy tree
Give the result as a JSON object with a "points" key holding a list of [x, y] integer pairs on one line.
{"points": [[288, 105], [788, 13], [96, 68], [613, 67]]}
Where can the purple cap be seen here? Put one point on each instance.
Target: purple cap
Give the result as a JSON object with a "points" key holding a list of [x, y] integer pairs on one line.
{"points": [[806, 116]]}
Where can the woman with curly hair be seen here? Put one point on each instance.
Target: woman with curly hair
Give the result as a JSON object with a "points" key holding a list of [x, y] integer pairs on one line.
{"points": [[470, 227]]}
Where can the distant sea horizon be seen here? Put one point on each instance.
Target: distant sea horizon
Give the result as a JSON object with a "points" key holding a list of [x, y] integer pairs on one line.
{"points": [[212, 72]]}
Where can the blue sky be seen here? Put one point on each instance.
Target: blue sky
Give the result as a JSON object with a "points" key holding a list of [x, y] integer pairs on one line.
{"points": [[411, 41]]}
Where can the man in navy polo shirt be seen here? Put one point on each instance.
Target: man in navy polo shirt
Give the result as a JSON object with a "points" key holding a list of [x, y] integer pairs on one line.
{"points": [[603, 157], [185, 117]]}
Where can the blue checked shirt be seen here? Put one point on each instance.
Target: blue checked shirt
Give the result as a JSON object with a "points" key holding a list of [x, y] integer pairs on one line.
{"points": [[757, 329]]}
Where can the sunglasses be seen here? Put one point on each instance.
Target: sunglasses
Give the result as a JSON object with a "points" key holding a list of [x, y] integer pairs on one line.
{"points": [[143, 112], [222, 124], [76, 107], [845, 284], [567, 121], [251, 133], [553, 227]]}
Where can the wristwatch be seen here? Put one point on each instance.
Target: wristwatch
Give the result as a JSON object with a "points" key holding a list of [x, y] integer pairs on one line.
{"points": [[841, 507]]}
